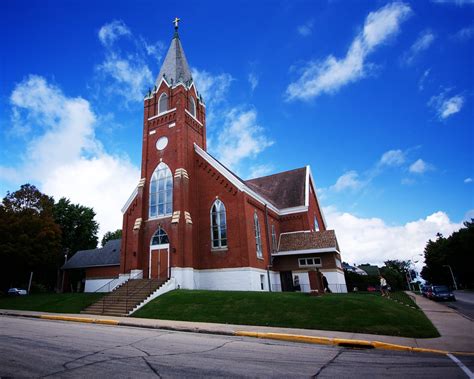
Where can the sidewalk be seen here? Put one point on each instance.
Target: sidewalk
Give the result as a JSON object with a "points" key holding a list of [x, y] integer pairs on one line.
{"points": [[456, 331]]}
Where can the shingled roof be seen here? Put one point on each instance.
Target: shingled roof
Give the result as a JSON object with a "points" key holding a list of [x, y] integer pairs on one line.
{"points": [[109, 255], [285, 189], [175, 67], [306, 240]]}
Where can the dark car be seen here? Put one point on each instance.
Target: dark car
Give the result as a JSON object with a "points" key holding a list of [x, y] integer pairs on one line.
{"points": [[440, 293], [424, 290]]}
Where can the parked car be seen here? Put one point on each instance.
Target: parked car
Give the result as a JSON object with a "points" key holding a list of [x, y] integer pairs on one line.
{"points": [[17, 292], [439, 293], [424, 290]]}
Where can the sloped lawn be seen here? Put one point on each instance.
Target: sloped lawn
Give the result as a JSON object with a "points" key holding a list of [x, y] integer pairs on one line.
{"points": [[51, 302], [361, 313]]}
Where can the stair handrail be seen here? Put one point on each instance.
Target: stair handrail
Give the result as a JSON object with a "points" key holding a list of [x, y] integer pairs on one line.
{"points": [[149, 285], [126, 284]]}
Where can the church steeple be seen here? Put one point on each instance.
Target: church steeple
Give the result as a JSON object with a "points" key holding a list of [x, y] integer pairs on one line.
{"points": [[175, 68]]}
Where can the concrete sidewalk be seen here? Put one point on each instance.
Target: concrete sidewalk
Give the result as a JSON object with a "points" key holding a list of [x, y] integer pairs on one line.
{"points": [[456, 331]]}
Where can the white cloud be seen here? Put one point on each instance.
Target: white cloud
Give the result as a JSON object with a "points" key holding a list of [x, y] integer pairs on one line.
{"points": [[455, 2], [464, 33], [329, 75], [446, 106], [348, 181], [63, 155], [422, 43], [306, 29], [419, 167], [253, 80], [371, 240], [422, 81], [468, 180], [392, 158], [240, 137], [213, 88], [260, 170], [126, 74], [110, 32]]}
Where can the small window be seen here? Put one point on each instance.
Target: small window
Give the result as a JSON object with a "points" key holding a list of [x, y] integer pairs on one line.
{"points": [[316, 224], [262, 282], [258, 236], [309, 262], [274, 238], [192, 106], [163, 103], [338, 263]]}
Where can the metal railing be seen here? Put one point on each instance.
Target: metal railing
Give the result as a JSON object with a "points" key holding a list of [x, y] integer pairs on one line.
{"points": [[126, 285], [305, 287]]}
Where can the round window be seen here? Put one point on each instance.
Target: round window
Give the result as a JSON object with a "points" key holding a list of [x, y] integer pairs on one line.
{"points": [[162, 143]]}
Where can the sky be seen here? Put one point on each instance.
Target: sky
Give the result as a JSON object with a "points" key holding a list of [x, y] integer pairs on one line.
{"points": [[376, 96]]}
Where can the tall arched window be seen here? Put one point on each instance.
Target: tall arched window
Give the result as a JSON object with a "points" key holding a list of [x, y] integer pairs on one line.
{"points": [[316, 224], [192, 106], [159, 238], [218, 225], [163, 103], [161, 192], [258, 236]]}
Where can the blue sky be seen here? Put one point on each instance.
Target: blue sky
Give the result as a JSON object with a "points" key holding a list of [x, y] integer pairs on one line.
{"points": [[376, 96]]}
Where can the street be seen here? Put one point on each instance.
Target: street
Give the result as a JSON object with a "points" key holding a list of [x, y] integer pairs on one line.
{"points": [[464, 303], [42, 348]]}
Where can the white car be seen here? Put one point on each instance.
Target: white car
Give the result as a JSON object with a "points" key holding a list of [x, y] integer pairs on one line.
{"points": [[17, 292]]}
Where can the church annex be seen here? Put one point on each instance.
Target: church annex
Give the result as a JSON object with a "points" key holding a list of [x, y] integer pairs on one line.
{"points": [[192, 220]]}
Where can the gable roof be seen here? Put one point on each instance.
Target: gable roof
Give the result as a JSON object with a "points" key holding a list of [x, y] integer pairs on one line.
{"points": [[175, 67], [285, 189], [109, 255], [308, 241]]}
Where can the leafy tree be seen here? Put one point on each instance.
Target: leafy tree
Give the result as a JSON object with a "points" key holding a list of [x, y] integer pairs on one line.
{"points": [[78, 227], [30, 240], [454, 251], [111, 236], [395, 272]]}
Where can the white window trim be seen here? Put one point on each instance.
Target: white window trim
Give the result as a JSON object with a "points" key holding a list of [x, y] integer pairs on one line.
{"points": [[258, 236], [310, 265], [194, 117]]}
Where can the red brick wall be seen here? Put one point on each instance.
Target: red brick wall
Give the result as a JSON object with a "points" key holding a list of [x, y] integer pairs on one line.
{"points": [[102, 272]]}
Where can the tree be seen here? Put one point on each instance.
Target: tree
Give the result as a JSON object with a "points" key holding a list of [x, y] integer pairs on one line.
{"points": [[454, 251], [111, 236], [395, 272], [78, 227], [30, 240]]}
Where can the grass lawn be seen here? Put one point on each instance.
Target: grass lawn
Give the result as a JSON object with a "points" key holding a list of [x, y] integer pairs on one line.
{"points": [[361, 313], [50, 302]]}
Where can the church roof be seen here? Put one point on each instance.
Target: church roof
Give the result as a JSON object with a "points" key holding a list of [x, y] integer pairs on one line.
{"points": [[109, 255], [285, 189], [175, 67], [307, 240]]}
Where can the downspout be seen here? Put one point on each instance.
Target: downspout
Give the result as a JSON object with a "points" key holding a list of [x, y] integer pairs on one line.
{"points": [[269, 250]]}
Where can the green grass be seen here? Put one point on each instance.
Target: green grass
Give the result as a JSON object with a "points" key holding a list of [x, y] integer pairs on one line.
{"points": [[50, 302], [361, 313]]}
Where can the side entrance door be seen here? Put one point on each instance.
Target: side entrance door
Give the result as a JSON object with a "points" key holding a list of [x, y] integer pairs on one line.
{"points": [[286, 279]]}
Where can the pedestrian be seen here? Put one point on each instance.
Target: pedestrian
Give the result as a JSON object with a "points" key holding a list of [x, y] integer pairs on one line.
{"points": [[326, 285], [383, 286]]}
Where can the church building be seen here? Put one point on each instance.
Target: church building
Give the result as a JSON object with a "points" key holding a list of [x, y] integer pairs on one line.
{"points": [[193, 220]]}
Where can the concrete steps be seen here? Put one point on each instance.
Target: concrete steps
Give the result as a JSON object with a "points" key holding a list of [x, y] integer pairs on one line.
{"points": [[124, 298]]}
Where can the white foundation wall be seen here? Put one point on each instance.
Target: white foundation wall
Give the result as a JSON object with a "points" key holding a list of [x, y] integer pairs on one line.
{"points": [[336, 281], [304, 280], [275, 281], [226, 279], [92, 285]]}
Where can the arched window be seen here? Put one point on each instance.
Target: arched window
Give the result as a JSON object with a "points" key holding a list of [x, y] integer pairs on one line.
{"points": [[316, 224], [163, 103], [258, 236], [218, 225], [159, 238], [161, 192], [192, 106], [274, 238]]}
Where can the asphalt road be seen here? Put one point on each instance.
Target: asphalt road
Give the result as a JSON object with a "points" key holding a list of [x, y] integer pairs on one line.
{"points": [[464, 303], [42, 348]]}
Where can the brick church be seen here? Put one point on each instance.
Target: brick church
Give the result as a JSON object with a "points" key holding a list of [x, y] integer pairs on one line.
{"points": [[192, 220]]}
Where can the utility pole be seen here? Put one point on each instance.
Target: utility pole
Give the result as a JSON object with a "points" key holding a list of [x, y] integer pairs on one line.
{"points": [[452, 275]]}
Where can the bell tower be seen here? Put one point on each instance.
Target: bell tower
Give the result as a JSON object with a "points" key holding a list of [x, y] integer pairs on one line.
{"points": [[174, 119]]}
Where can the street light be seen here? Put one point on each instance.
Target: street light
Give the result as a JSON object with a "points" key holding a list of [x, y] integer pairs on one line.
{"points": [[452, 275]]}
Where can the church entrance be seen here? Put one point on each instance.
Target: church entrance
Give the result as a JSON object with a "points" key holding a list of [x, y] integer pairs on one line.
{"points": [[159, 262]]}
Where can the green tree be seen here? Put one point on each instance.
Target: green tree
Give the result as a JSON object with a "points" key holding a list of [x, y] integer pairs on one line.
{"points": [[30, 240], [395, 272], [78, 227], [111, 236]]}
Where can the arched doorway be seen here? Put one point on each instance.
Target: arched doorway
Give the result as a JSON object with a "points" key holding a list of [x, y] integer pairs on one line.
{"points": [[159, 264]]}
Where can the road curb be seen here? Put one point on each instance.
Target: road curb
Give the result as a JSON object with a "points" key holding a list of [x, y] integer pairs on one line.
{"points": [[80, 319], [344, 342]]}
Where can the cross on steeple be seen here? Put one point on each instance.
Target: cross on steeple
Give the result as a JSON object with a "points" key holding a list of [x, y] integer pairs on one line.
{"points": [[176, 22]]}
